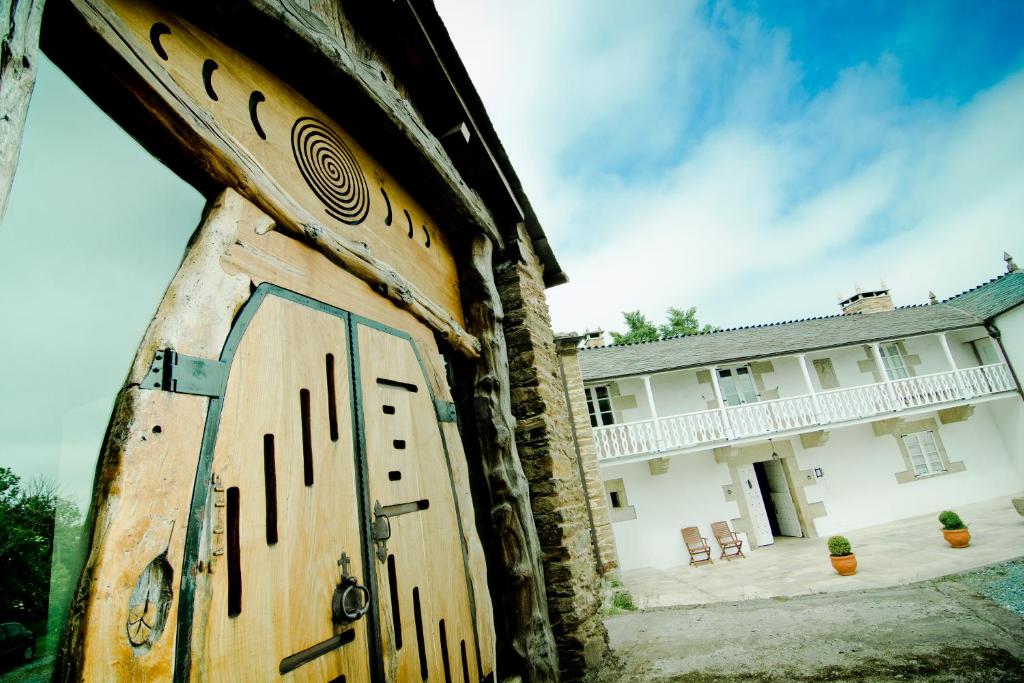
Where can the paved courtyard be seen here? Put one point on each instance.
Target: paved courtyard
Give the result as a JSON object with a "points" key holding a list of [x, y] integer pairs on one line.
{"points": [[891, 554]]}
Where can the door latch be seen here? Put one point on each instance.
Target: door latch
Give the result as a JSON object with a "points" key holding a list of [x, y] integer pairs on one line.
{"points": [[351, 599], [381, 531]]}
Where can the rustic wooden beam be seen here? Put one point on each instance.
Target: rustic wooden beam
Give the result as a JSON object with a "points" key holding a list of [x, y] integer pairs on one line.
{"points": [[376, 104], [19, 47], [231, 165], [526, 614]]}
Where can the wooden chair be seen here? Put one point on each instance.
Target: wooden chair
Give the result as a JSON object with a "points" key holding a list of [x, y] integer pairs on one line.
{"points": [[727, 540], [696, 545]]}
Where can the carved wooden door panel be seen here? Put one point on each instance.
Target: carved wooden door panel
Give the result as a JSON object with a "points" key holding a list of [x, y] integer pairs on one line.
{"points": [[425, 591], [282, 531]]}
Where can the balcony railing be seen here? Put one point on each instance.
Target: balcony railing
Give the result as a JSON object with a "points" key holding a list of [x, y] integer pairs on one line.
{"points": [[798, 413]]}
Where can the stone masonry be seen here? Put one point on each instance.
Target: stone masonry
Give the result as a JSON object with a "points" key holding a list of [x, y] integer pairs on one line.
{"points": [[608, 558], [544, 440]]}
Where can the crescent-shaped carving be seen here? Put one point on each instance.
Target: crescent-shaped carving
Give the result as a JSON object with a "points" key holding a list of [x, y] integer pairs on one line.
{"points": [[387, 221], [254, 99], [427, 235], [209, 66], [410, 222], [159, 29]]}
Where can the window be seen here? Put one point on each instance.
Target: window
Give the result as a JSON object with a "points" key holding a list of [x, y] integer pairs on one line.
{"points": [[893, 361], [924, 453], [619, 509], [599, 404], [985, 350], [737, 386]]}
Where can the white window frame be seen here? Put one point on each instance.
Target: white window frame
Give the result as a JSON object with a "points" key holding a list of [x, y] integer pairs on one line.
{"points": [[727, 379], [600, 417], [925, 457], [893, 361]]}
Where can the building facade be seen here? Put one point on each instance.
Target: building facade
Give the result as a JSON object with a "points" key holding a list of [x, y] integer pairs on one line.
{"points": [[813, 427]]}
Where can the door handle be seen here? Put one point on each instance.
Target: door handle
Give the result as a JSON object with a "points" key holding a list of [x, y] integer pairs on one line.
{"points": [[351, 599], [381, 531]]}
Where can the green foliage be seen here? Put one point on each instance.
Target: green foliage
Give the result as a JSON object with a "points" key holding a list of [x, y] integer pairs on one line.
{"points": [[639, 328], [951, 521], [683, 322], [839, 546], [624, 601], [32, 513]]}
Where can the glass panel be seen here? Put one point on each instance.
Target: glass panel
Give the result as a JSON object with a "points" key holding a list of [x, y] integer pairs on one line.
{"points": [[931, 452], [745, 385], [94, 231], [730, 394], [916, 455], [893, 362]]}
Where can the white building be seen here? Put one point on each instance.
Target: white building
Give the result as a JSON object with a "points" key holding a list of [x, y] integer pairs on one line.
{"points": [[812, 427]]}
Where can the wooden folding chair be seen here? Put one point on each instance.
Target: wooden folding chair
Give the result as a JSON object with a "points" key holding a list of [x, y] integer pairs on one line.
{"points": [[727, 540], [696, 545]]}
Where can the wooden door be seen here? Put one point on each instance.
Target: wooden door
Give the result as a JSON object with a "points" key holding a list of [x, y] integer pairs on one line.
{"points": [[321, 406], [427, 627], [283, 527], [755, 506], [782, 499]]}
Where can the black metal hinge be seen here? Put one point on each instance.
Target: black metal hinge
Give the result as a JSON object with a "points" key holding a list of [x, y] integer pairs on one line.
{"points": [[445, 410], [173, 371]]}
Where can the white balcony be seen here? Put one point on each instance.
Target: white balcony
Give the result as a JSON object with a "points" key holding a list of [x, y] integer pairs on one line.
{"points": [[807, 412]]}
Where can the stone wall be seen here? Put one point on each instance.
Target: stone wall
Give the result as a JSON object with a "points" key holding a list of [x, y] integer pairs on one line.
{"points": [[544, 440], [603, 536]]}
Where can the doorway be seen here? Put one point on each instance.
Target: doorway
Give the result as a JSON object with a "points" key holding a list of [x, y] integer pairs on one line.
{"points": [[769, 502], [778, 498]]}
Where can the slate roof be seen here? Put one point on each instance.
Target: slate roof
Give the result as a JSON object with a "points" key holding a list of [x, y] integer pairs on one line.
{"points": [[969, 309]]}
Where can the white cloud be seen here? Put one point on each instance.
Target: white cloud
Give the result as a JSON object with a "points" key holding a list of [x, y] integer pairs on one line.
{"points": [[674, 159]]}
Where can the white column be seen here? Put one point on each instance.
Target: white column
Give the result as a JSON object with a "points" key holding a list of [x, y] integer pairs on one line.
{"points": [[886, 381], [802, 358], [944, 342], [654, 411], [721, 403]]}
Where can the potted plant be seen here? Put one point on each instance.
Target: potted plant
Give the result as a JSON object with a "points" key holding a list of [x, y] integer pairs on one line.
{"points": [[954, 530], [843, 559]]}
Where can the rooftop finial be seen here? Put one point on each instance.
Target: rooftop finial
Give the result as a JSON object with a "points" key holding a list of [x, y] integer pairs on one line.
{"points": [[932, 299], [1011, 267]]}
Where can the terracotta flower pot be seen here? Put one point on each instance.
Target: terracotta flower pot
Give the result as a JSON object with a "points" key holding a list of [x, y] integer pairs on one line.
{"points": [[846, 565], [958, 538]]}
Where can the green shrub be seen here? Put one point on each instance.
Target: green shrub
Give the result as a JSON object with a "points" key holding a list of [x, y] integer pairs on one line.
{"points": [[623, 600], [839, 546], [951, 521]]}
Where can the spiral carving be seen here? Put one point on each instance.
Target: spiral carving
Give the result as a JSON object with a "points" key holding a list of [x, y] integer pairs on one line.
{"points": [[331, 170]]}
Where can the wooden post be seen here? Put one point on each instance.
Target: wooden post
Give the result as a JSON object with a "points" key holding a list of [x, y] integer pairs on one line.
{"points": [[944, 342], [721, 404], [527, 622], [654, 412], [19, 37], [802, 358]]}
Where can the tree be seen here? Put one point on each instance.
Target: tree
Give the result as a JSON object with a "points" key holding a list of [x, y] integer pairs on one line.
{"points": [[640, 329], [31, 512], [683, 322]]}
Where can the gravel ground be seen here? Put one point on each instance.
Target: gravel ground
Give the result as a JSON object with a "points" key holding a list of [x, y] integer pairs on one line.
{"points": [[945, 630], [1003, 583]]}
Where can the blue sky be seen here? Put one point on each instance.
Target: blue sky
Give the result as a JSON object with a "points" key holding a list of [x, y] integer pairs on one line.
{"points": [[757, 159]]}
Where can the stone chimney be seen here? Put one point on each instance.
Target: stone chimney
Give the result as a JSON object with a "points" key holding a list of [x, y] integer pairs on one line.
{"points": [[874, 301], [593, 339]]}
